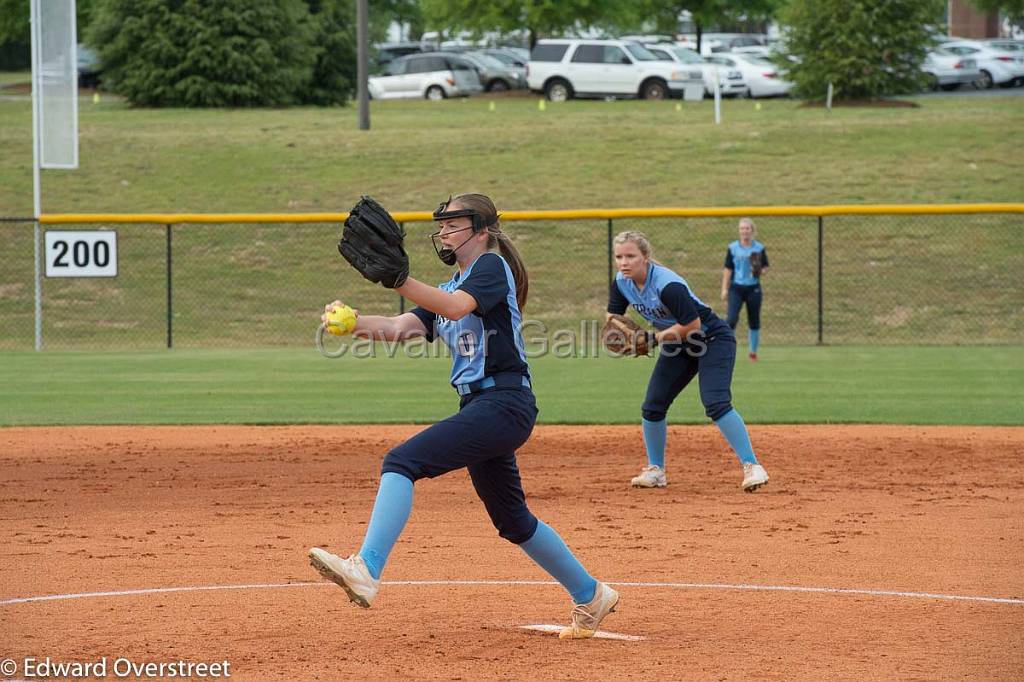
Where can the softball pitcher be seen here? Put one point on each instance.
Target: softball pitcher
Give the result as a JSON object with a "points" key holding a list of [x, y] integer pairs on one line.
{"points": [[746, 261], [477, 314], [694, 342]]}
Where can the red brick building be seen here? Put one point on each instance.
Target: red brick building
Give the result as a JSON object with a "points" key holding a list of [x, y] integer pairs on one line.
{"points": [[967, 21]]}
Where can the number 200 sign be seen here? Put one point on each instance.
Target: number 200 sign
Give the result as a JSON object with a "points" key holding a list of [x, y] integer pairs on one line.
{"points": [[81, 254]]}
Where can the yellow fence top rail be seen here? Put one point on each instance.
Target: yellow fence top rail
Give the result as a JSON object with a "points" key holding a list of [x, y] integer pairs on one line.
{"points": [[572, 214]]}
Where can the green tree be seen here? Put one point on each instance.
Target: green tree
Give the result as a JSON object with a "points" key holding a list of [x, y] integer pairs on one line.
{"points": [[334, 73], [1013, 10], [403, 12], [205, 54], [538, 17], [664, 14], [16, 31], [865, 48]]}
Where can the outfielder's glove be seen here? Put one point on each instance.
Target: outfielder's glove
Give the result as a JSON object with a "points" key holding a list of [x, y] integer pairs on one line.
{"points": [[623, 336], [372, 244], [756, 264]]}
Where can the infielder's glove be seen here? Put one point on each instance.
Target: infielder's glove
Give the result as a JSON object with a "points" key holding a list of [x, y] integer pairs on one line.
{"points": [[756, 264], [372, 244], [623, 336]]}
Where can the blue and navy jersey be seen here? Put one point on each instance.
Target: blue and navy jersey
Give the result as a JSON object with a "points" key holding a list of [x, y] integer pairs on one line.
{"points": [[489, 340], [737, 259], [665, 300]]}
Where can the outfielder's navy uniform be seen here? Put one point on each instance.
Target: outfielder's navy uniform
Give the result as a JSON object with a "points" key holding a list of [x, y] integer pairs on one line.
{"points": [[666, 299], [744, 287], [497, 410]]}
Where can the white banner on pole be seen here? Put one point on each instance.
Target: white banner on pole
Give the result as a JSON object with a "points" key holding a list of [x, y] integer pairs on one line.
{"points": [[55, 82]]}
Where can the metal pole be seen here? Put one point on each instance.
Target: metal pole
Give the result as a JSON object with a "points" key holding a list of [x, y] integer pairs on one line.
{"points": [[401, 299], [718, 99], [821, 281], [362, 49], [36, 179], [170, 297], [611, 272]]}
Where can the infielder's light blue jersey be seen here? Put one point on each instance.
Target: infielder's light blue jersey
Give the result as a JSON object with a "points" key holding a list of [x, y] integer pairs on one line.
{"points": [[737, 259], [489, 340], [665, 299]]}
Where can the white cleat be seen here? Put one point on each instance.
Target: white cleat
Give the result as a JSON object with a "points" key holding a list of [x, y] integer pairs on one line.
{"points": [[650, 477], [586, 617], [754, 476], [351, 574]]}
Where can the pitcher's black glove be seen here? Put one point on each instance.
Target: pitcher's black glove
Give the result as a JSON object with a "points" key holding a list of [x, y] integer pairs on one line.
{"points": [[372, 244]]}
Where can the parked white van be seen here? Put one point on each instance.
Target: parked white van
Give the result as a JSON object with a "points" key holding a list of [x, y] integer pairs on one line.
{"points": [[434, 75], [563, 69]]}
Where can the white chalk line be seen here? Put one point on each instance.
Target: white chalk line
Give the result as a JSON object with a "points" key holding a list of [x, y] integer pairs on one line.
{"points": [[506, 583]]}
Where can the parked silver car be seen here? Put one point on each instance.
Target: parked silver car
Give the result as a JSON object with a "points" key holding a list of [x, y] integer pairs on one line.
{"points": [[496, 75], [998, 67], [730, 81], [434, 75], [948, 70]]}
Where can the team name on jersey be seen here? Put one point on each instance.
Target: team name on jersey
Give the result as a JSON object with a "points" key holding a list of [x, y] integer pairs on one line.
{"points": [[649, 312]]}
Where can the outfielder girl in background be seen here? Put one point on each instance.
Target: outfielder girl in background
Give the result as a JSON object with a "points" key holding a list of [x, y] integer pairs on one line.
{"points": [[746, 261], [694, 342], [477, 314]]}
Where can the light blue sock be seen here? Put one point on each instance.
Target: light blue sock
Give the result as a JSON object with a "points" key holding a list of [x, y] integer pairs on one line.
{"points": [[655, 435], [548, 549], [390, 512], [755, 339], [735, 431]]}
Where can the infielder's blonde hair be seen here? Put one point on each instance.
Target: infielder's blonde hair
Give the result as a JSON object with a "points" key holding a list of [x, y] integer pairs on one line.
{"points": [[638, 238], [483, 205]]}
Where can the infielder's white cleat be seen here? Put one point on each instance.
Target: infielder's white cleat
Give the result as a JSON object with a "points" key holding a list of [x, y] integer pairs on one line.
{"points": [[754, 476], [351, 574], [586, 617], [650, 477]]}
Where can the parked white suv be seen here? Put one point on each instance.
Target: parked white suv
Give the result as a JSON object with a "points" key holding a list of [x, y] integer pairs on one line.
{"points": [[563, 69]]}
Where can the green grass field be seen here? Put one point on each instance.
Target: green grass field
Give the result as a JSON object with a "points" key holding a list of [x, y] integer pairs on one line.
{"points": [[921, 282], [578, 154], [888, 279], [789, 385]]}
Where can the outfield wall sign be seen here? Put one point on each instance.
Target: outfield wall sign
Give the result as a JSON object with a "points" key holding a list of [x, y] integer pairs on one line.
{"points": [[81, 253]]}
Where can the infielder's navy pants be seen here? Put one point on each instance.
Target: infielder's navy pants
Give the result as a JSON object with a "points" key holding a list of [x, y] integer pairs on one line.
{"points": [[483, 437], [677, 365], [751, 295]]}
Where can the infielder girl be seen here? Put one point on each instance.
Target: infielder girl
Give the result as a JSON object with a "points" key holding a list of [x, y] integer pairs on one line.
{"points": [[746, 261], [694, 342], [477, 314]]}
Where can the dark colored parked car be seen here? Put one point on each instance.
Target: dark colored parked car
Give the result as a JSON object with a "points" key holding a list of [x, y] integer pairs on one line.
{"points": [[386, 52], [88, 68]]}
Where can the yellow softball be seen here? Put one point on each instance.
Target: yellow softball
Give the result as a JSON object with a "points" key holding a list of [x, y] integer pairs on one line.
{"points": [[341, 320]]}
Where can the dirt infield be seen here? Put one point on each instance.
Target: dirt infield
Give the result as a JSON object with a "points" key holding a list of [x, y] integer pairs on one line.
{"points": [[931, 513]]}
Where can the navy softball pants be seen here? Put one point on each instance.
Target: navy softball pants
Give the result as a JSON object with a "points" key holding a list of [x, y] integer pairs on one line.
{"points": [[483, 437], [752, 296], [676, 367]]}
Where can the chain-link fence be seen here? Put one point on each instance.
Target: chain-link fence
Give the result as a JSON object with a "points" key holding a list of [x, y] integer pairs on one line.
{"points": [[940, 279]]}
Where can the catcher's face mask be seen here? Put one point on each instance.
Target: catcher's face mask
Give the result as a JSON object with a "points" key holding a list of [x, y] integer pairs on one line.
{"points": [[445, 253]]}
